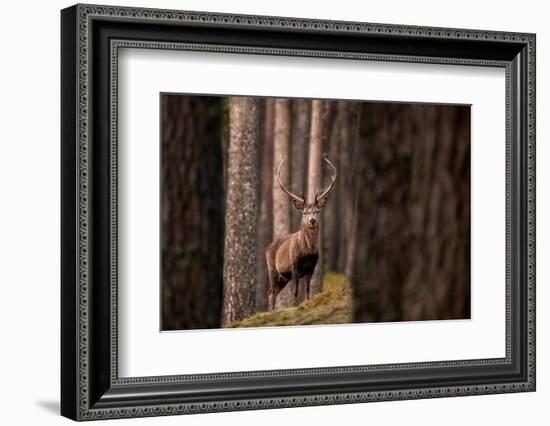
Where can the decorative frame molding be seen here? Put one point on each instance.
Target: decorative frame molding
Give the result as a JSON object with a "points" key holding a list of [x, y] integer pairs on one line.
{"points": [[91, 37]]}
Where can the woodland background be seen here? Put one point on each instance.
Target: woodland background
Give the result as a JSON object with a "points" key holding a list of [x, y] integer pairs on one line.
{"points": [[395, 231]]}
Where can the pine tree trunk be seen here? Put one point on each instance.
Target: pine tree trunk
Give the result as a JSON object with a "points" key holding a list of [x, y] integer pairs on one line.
{"points": [[382, 257], [332, 212], [281, 202], [348, 166], [241, 216], [357, 152], [440, 219], [413, 226], [265, 223], [299, 153], [314, 180], [192, 212]]}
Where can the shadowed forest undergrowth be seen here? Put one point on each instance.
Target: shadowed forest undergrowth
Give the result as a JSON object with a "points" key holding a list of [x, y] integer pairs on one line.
{"points": [[331, 306]]}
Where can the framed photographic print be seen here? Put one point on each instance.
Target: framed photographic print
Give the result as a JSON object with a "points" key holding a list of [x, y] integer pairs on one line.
{"points": [[263, 212]]}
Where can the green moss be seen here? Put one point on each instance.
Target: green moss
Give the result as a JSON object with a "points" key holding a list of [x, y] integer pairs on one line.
{"points": [[331, 306], [333, 280]]}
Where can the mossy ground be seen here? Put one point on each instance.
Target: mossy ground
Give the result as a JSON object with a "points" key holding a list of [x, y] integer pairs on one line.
{"points": [[331, 306]]}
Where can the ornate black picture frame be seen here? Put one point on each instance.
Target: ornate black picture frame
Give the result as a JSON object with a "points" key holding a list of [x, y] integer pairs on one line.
{"points": [[90, 385]]}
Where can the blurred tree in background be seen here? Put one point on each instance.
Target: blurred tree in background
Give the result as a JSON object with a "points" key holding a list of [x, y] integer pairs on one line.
{"points": [[412, 259], [191, 212]]}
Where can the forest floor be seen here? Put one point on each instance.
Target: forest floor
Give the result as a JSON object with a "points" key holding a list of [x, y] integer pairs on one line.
{"points": [[331, 306]]}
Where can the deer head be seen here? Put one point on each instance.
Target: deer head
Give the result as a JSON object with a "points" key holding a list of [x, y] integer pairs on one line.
{"points": [[310, 210]]}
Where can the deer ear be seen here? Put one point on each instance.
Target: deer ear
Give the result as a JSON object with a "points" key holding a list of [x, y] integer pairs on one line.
{"points": [[321, 203], [299, 204]]}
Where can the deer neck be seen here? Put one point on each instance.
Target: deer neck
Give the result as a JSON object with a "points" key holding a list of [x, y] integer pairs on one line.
{"points": [[309, 239]]}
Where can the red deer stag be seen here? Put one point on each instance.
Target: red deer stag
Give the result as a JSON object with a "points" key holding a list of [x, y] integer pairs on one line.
{"points": [[295, 256]]}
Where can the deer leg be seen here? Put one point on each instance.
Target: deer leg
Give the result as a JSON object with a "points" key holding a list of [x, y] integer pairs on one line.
{"points": [[274, 289], [308, 281], [270, 291], [296, 281], [269, 298]]}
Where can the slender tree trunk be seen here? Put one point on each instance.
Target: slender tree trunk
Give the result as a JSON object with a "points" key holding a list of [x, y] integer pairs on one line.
{"points": [[331, 213], [241, 216], [348, 114], [346, 190], [299, 152], [265, 223], [315, 178], [353, 193], [281, 203]]}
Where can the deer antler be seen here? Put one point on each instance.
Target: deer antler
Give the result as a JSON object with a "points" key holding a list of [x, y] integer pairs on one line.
{"points": [[333, 181], [290, 194]]}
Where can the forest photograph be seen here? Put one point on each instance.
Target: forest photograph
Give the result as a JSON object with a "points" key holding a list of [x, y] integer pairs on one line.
{"points": [[297, 212]]}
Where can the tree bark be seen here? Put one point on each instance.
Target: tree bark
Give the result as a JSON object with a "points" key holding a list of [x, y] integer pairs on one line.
{"points": [[281, 202], [353, 194], [382, 259], [265, 223], [192, 212], [315, 175], [332, 212], [348, 114], [412, 262], [440, 218], [241, 217], [299, 152]]}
